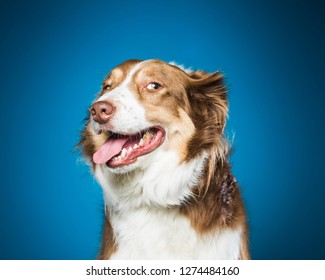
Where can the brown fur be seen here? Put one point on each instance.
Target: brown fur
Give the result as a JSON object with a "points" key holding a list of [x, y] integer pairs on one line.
{"points": [[217, 203], [86, 143], [209, 106], [218, 206], [244, 249], [108, 245], [194, 108]]}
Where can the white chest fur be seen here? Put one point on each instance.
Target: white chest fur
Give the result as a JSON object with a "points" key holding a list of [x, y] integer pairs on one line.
{"points": [[152, 233], [144, 212]]}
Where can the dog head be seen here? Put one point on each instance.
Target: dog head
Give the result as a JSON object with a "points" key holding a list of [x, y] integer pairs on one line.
{"points": [[146, 108]]}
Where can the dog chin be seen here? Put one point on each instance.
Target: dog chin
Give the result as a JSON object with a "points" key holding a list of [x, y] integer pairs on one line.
{"points": [[124, 169]]}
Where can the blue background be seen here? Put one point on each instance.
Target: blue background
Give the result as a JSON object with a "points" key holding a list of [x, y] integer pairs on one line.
{"points": [[54, 56]]}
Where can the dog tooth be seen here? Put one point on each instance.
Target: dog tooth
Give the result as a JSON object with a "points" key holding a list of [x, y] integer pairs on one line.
{"points": [[130, 149], [119, 157], [135, 146], [141, 143], [123, 154], [147, 135]]}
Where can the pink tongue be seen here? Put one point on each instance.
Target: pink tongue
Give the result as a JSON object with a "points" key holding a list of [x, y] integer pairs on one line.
{"points": [[109, 149]]}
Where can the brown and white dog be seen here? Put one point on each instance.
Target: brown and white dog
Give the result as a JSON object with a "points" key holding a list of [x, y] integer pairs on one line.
{"points": [[154, 139]]}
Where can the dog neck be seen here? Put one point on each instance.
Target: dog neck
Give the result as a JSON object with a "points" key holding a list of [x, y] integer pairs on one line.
{"points": [[163, 183]]}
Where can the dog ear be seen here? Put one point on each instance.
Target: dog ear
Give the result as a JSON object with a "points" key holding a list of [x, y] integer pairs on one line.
{"points": [[208, 98], [209, 108]]}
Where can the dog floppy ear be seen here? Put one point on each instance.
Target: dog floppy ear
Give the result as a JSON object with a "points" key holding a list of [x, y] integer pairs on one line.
{"points": [[209, 109], [208, 98]]}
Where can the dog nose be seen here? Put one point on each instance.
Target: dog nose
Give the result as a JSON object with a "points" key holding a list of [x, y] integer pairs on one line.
{"points": [[102, 111]]}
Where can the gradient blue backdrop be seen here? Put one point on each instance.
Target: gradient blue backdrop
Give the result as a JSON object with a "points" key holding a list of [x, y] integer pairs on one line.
{"points": [[54, 56]]}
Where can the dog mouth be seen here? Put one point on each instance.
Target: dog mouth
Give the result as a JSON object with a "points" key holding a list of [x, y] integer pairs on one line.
{"points": [[119, 150]]}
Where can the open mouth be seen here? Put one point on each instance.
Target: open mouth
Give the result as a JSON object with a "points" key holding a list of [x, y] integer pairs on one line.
{"points": [[121, 150]]}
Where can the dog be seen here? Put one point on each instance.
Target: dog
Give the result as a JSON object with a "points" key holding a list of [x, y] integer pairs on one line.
{"points": [[154, 138]]}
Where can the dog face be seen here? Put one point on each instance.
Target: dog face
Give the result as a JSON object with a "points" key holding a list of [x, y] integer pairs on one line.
{"points": [[147, 108]]}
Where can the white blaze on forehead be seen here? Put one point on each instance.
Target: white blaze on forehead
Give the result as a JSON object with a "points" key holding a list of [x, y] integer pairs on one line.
{"points": [[129, 117], [123, 85]]}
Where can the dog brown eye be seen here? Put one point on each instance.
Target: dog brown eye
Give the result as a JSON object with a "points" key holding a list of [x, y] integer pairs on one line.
{"points": [[107, 87], [153, 86]]}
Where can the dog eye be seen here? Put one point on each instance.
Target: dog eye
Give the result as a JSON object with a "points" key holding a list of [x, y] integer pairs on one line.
{"points": [[153, 86], [106, 87]]}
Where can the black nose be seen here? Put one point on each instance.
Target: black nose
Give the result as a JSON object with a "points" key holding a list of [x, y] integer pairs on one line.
{"points": [[102, 111]]}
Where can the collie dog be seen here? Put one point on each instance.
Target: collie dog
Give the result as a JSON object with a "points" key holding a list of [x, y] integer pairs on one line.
{"points": [[154, 139]]}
